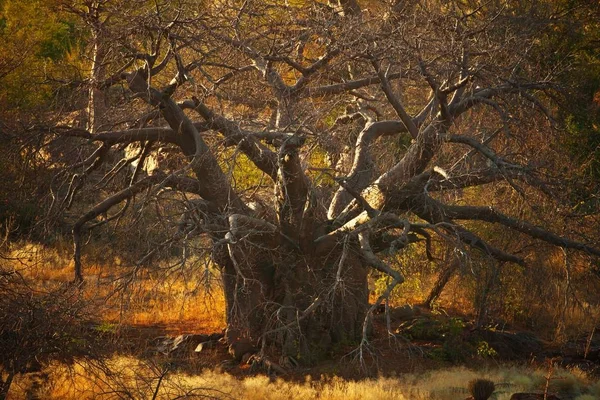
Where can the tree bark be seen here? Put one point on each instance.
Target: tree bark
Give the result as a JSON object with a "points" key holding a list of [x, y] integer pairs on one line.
{"points": [[300, 303], [441, 282], [96, 98]]}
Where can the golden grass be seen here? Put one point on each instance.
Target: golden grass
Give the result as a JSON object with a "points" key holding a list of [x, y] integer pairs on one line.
{"points": [[177, 301], [197, 312], [134, 379]]}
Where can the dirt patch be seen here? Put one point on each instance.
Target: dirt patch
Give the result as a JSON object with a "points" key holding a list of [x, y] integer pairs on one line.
{"points": [[421, 342]]}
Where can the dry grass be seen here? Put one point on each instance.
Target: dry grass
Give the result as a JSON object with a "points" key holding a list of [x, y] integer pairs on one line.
{"points": [[133, 379], [177, 302], [181, 300]]}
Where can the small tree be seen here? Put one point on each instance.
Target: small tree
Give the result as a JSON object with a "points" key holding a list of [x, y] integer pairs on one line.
{"points": [[39, 327]]}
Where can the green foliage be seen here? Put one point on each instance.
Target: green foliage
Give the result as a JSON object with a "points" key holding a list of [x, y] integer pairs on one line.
{"points": [[245, 173], [586, 397], [317, 159], [333, 115], [484, 350], [59, 42], [20, 205], [453, 351], [575, 39], [458, 350], [455, 345], [106, 327], [454, 327], [424, 329], [36, 41], [19, 214], [416, 268], [432, 329], [438, 354]]}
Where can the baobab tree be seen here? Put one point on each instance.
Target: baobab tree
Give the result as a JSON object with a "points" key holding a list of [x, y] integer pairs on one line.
{"points": [[358, 125]]}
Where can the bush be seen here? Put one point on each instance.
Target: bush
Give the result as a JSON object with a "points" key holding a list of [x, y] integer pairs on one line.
{"points": [[39, 327], [481, 389]]}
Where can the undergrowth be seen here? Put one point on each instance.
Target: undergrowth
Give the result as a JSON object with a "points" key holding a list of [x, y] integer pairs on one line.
{"points": [[133, 379]]}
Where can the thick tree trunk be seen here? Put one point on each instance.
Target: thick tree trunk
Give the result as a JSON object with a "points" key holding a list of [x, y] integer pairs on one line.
{"points": [[298, 303]]}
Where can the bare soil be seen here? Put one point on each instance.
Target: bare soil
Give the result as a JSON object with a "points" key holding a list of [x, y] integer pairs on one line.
{"points": [[423, 342]]}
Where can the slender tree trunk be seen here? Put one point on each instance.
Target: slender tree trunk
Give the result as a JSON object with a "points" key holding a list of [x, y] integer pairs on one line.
{"points": [[96, 98], [442, 281], [5, 386], [481, 298]]}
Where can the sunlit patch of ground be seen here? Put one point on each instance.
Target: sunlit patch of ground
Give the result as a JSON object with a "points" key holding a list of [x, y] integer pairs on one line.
{"points": [[183, 301], [153, 305], [133, 379]]}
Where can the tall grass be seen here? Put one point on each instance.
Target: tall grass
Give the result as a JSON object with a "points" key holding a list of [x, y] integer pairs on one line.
{"points": [[180, 299], [126, 377]]}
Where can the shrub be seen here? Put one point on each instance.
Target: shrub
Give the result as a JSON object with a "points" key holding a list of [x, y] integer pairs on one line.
{"points": [[39, 327], [481, 389]]}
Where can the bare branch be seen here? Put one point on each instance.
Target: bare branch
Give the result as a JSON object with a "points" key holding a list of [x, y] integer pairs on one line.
{"points": [[338, 88], [482, 95], [395, 102], [159, 134], [488, 214], [215, 185], [439, 94], [483, 149], [361, 174], [475, 241], [102, 208], [471, 178], [260, 155]]}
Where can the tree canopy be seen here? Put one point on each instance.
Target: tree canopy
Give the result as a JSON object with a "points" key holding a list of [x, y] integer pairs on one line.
{"points": [[299, 145]]}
